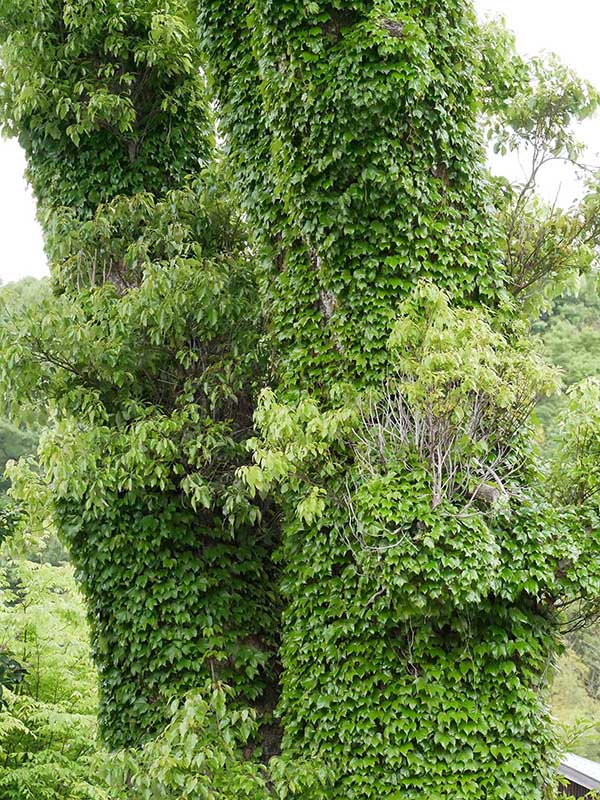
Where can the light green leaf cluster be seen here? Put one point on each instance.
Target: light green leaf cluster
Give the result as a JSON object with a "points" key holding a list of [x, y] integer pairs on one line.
{"points": [[542, 112], [47, 721], [576, 468], [203, 754], [533, 108], [446, 357]]}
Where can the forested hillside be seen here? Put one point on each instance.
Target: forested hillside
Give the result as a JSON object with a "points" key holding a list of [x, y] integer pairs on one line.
{"points": [[279, 402], [570, 338]]}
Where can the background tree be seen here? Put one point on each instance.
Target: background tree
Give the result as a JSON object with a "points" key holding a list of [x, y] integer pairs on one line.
{"points": [[48, 718]]}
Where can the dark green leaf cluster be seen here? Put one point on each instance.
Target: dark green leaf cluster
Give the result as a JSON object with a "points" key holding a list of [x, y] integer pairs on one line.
{"points": [[11, 673], [146, 355], [105, 99], [371, 166]]}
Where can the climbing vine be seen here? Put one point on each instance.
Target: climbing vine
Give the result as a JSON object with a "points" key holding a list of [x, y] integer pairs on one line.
{"points": [[426, 559], [386, 485], [146, 357], [106, 98]]}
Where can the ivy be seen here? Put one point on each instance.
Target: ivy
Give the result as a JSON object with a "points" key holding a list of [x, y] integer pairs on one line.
{"points": [[203, 753], [386, 487], [371, 162], [426, 558], [150, 403], [104, 99], [145, 357]]}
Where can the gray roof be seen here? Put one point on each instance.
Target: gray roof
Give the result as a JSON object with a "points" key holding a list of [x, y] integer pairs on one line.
{"points": [[581, 771]]}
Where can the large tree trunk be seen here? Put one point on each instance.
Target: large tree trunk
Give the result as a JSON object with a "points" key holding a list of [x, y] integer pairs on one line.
{"points": [[111, 108], [352, 129]]}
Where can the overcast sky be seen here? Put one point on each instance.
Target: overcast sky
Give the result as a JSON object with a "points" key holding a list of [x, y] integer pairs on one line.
{"points": [[567, 28]]}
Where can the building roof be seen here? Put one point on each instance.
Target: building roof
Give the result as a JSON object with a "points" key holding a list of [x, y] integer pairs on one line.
{"points": [[581, 771]]}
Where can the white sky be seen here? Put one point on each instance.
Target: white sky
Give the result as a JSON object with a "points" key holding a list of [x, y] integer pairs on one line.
{"points": [[20, 236], [567, 28]]}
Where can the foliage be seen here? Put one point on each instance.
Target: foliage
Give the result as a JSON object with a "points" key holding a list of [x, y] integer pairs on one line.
{"points": [[146, 375], [541, 112], [11, 673], [146, 355], [416, 638], [569, 339], [570, 333], [576, 710], [43, 622], [415, 572], [585, 643], [105, 98], [531, 108], [204, 754], [426, 560], [366, 163], [14, 443], [577, 475], [47, 724]]}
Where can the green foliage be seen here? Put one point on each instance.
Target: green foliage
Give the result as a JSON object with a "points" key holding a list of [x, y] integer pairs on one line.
{"points": [[43, 622], [425, 564], [575, 708], [541, 112], [105, 98], [425, 561], [146, 355], [503, 73], [46, 752], [570, 334], [11, 673], [103, 342], [204, 754], [428, 563], [147, 377], [199, 754], [47, 723], [368, 167], [532, 108], [14, 443], [576, 473]]}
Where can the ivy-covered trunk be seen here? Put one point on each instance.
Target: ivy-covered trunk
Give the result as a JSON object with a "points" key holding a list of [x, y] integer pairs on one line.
{"points": [[414, 663], [146, 356], [360, 165], [424, 569]]}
